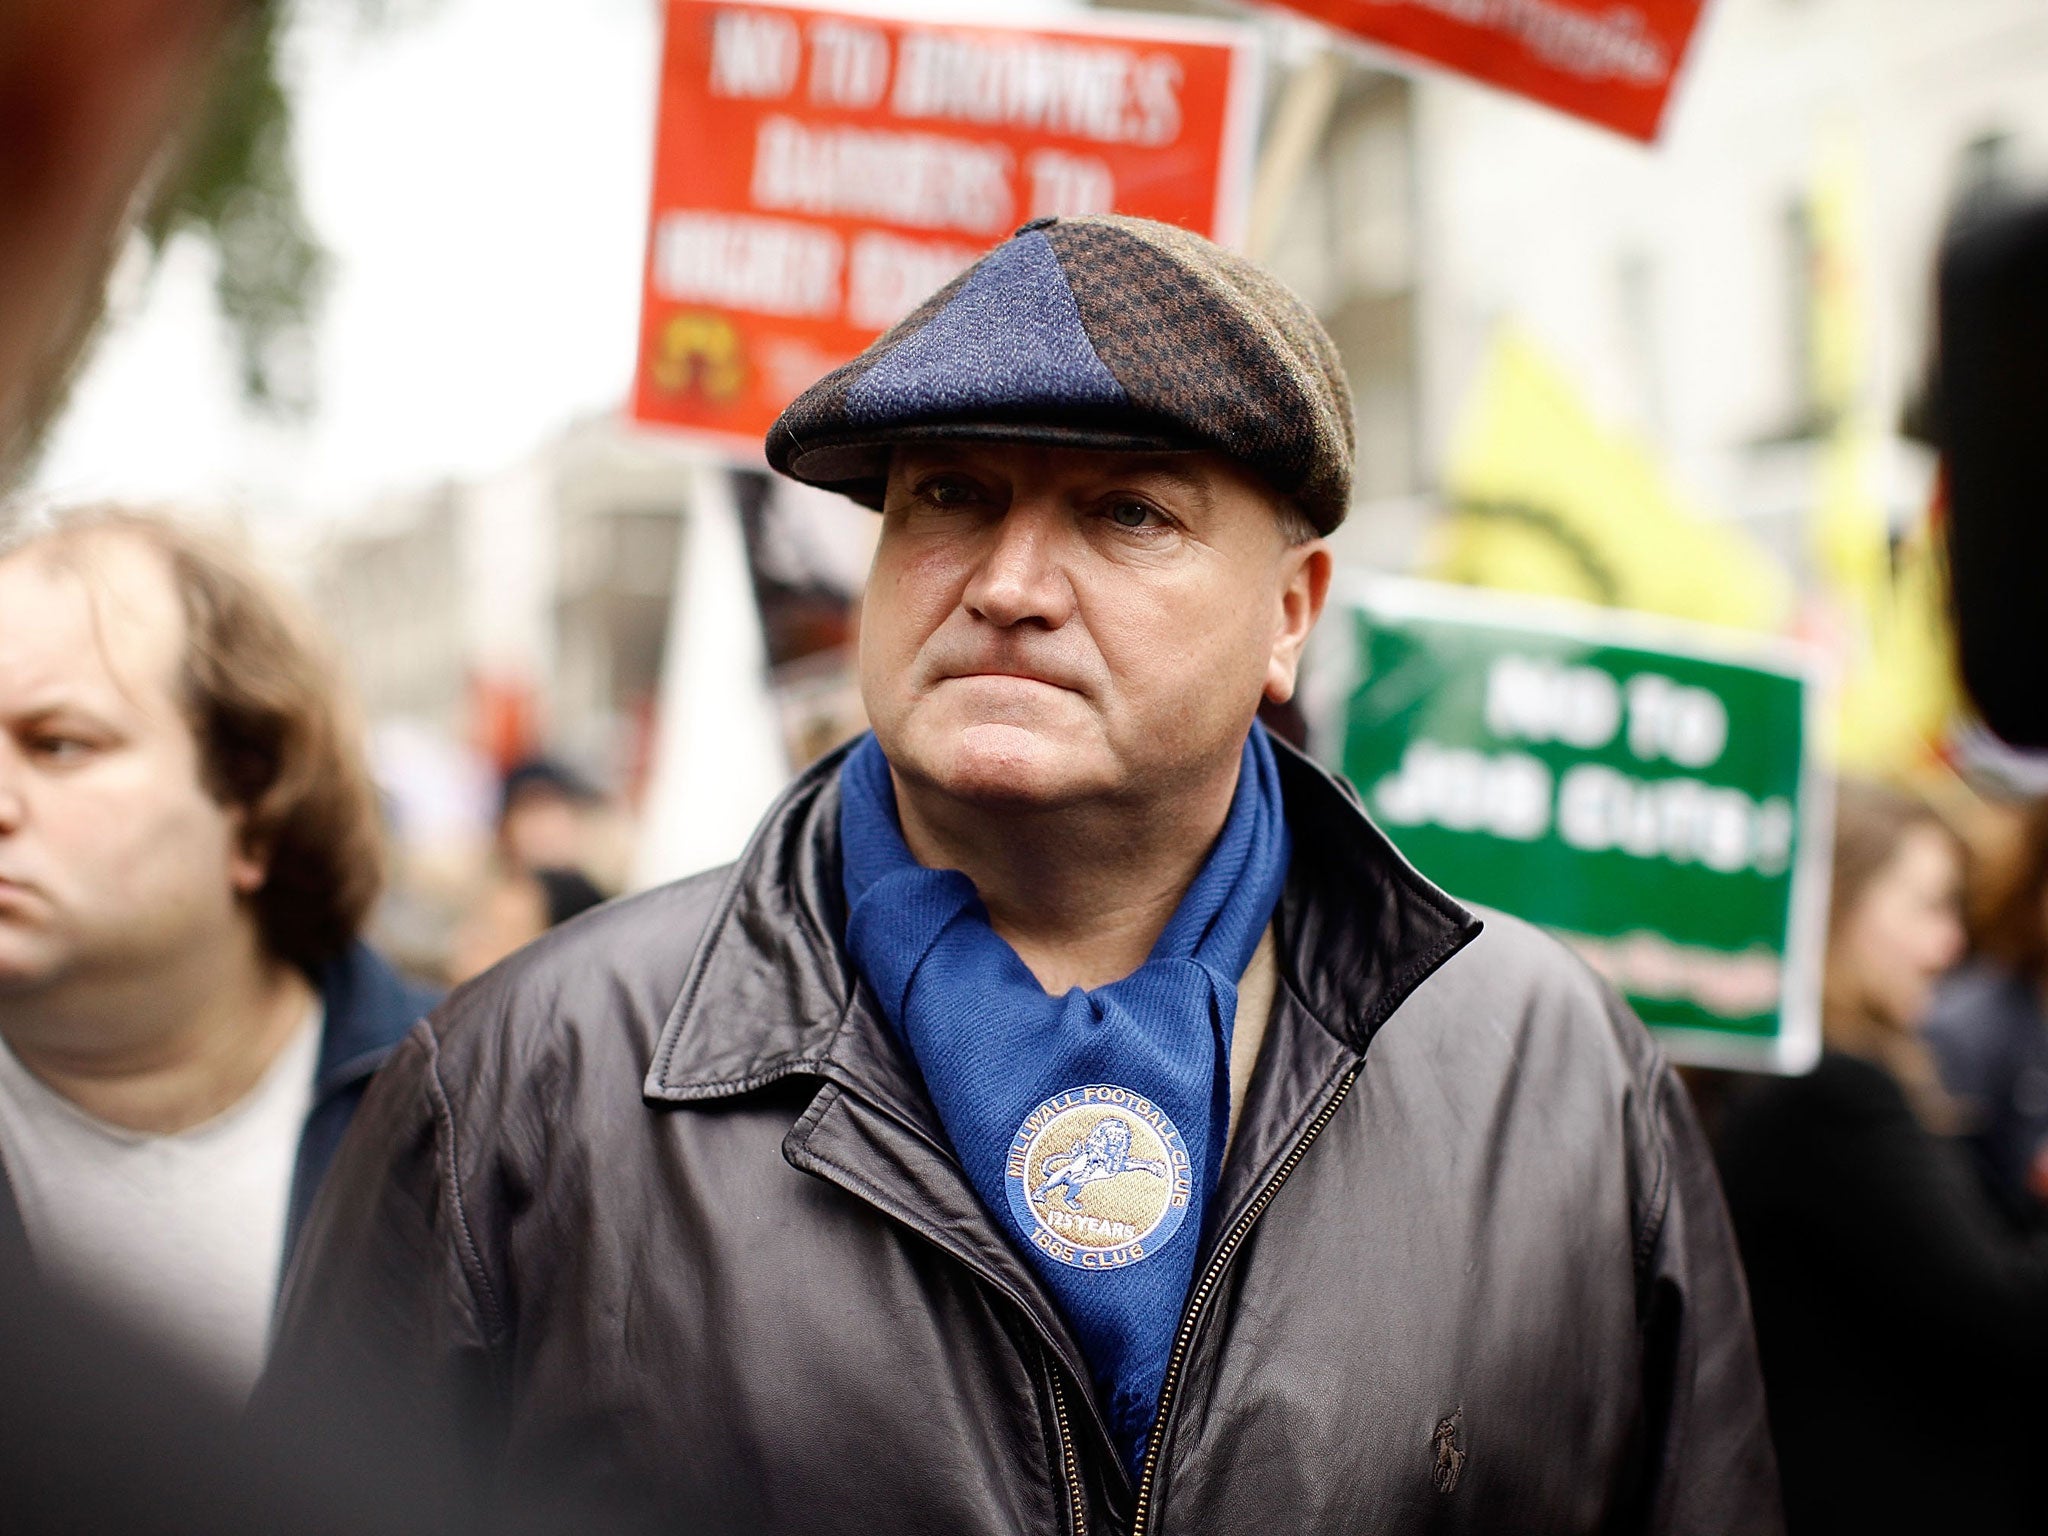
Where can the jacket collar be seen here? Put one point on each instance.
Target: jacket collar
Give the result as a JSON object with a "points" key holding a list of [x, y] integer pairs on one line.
{"points": [[1359, 929], [772, 991], [368, 1011]]}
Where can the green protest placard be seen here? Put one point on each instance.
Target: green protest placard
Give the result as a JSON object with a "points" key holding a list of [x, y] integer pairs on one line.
{"points": [[1646, 792]]}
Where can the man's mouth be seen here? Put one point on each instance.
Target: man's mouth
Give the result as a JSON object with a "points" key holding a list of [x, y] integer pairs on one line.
{"points": [[1015, 674]]}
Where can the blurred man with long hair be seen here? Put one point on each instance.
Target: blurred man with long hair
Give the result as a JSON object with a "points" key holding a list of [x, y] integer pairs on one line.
{"points": [[189, 847]]}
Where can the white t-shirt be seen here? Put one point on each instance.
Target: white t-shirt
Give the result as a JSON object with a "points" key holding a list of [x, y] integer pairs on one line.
{"points": [[184, 1234]]}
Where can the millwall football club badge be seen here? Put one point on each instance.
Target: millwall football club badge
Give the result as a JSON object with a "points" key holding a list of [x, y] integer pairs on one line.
{"points": [[1098, 1177]]}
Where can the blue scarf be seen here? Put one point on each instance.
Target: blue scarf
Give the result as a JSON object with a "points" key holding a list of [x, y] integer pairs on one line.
{"points": [[1092, 1124]]}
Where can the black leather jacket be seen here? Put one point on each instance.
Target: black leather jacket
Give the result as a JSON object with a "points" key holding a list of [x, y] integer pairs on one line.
{"points": [[665, 1197]]}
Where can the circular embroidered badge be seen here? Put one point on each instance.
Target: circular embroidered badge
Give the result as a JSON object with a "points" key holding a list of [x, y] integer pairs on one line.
{"points": [[1098, 1177]]}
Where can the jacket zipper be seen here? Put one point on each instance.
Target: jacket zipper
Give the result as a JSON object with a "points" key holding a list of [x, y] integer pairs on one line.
{"points": [[1067, 1457], [1200, 1296]]}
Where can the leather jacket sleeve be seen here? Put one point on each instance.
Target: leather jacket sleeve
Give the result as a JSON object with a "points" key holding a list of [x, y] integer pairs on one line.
{"points": [[1707, 1459], [387, 1301]]}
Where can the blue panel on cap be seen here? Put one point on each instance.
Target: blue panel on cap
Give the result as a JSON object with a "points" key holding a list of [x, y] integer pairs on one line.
{"points": [[1010, 338]]}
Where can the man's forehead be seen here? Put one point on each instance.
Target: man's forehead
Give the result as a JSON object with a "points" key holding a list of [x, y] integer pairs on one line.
{"points": [[95, 612]]}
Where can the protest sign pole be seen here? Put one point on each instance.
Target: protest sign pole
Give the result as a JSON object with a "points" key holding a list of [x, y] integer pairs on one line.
{"points": [[1299, 122]]}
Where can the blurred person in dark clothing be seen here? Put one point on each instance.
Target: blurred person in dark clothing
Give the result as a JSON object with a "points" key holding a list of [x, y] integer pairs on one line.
{"points": [[543, 811], [517, 907], [538, 874], [1903, 1322], [101, 1430], [1989, 1025], [189, 845]]}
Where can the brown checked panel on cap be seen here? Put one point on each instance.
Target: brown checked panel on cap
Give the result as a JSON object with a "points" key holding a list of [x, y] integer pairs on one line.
{"points": [[1203, 337]]}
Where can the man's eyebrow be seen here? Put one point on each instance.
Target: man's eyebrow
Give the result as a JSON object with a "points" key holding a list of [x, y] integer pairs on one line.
{"points": [[928, 456], [57, 706], [1188, 478]]}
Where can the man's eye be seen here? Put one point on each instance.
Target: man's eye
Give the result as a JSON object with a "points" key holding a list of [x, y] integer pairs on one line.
{"points": [[1134, 514], [61, 749], [947, 491]]}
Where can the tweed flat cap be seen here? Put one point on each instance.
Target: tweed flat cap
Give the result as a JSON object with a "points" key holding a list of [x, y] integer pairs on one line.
{"points": [[1093, 332]]}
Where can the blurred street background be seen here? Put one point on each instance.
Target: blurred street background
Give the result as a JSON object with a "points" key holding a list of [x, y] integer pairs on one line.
{"points": [[386, 326], [1689, 605]]}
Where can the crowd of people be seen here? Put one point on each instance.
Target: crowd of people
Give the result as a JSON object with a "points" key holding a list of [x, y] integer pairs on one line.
{"points": [[1071, 1115], [189, 854], [181, 1053], [1889, 1204], [659, 1214]]}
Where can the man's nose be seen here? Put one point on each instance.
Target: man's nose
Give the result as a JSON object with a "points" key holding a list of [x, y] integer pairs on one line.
{"points": [[1022, 576]]}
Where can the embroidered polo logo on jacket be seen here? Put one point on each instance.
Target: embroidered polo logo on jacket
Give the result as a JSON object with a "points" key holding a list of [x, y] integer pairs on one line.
{"points": [[1098, 1177], [1448, 1443]]}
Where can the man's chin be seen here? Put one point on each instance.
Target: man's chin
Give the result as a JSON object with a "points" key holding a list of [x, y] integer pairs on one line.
{"points": [[1004, 765]]}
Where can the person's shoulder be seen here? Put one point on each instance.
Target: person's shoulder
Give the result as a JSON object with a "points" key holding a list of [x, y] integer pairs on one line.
{"points": [[1978, 979], [1978, 1004], [367, 1007], [1531, 1043], [606, 978], [1841, 1093], [1537, 1058], [1536, 992], [1527, 956]]}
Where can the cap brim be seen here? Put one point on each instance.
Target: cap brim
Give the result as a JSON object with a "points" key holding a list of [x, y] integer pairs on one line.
{"points": [[857, 466]]}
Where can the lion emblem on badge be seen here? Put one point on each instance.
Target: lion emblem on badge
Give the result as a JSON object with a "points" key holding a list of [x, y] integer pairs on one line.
{"points": [[1098, 1177], [1104, 1153]]}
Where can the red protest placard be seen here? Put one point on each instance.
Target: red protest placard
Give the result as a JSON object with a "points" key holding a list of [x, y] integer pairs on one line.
{"points": [[818, 173], [1610, 61]]}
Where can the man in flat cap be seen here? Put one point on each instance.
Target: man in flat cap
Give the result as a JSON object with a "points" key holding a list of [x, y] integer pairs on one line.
{"points": [[1070, 1114]]}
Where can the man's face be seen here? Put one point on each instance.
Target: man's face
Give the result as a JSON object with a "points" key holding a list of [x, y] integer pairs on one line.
{"points": [[1047, 626], [113, 858]]}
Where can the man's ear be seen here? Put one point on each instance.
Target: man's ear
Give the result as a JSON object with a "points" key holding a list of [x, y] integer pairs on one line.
{"points": [[1304, 588]]}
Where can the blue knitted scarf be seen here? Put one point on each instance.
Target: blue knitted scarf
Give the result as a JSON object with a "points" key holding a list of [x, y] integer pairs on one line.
{"points": [[1090, 1124]]}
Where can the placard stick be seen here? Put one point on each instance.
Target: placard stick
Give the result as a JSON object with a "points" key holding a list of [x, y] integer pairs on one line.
{"points": [[1299, 122]]}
